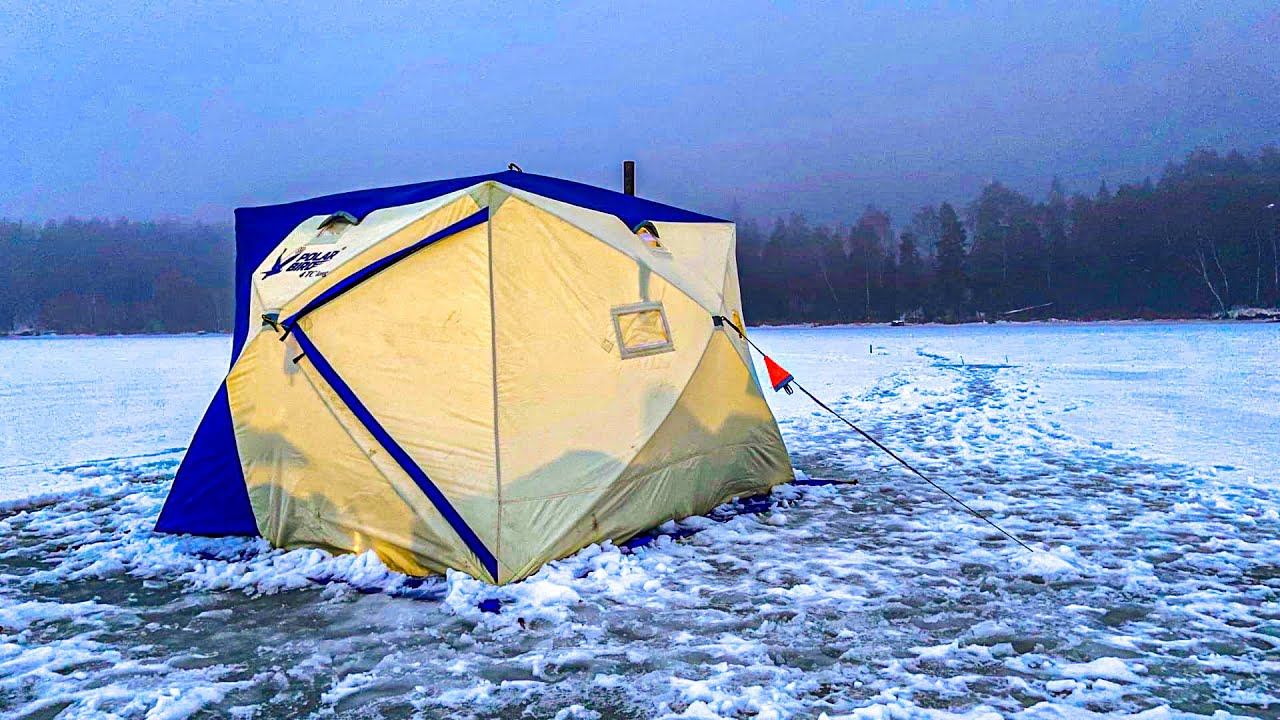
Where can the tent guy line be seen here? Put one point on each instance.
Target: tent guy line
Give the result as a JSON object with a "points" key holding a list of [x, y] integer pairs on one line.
{"points": [[783, 380]]}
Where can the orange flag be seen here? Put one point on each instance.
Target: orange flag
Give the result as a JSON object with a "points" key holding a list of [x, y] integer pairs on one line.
{"points": [[778, 376]]}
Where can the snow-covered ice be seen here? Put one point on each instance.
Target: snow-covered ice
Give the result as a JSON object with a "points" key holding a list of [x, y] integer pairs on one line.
{"points": [[67, 403], [1138, 459]]}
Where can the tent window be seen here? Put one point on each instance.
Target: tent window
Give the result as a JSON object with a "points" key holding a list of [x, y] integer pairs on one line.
{"points": [[642, 329]]}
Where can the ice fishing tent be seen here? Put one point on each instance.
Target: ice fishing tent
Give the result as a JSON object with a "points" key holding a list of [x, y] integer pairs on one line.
{"points": [[485, 374]]}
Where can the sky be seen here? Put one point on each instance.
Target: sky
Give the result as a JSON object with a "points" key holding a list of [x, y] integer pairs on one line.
{"points": [[187, 110]]}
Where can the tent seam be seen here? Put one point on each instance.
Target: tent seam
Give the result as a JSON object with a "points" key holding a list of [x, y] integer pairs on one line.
{"points": [[493, 368]]}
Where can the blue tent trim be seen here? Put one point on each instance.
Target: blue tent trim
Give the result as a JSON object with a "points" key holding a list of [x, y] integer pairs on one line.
{"points": [[260, 229], [397, 453], [209, 496], [378, 266]]}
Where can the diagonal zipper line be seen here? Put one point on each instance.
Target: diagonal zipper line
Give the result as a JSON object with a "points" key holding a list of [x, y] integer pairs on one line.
{"points": [[397, 453]]}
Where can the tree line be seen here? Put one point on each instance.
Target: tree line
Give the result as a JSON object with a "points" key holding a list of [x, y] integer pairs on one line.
{"points": [[1201, 240], [115, 276]]}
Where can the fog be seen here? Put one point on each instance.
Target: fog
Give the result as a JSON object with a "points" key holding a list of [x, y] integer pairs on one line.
{"points": [[187, 110]]}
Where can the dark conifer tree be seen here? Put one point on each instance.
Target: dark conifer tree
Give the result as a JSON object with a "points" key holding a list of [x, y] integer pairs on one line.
{"points": [[911, 276], [949, 273]]}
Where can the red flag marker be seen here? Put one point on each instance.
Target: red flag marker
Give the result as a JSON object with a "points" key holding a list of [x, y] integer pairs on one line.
{"points": [[778, 376]]}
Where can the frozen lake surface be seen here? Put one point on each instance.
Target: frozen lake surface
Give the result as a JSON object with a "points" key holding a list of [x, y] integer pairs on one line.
{"points": [[1139, 459]]}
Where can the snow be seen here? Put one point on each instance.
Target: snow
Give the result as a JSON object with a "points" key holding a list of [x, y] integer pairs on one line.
{"points": [[1138, 460], [1108, 668], [68, 404], [1055, 564]]}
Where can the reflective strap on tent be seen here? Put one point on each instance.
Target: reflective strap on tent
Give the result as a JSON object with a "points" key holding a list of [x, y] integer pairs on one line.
{"points": [[378, 266], [393, 448]]}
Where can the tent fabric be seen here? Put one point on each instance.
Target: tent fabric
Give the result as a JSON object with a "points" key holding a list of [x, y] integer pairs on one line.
{"points": [[209, 495], [484, 380], [374, 268], [406, 463], [260, 229], [413, 345]]}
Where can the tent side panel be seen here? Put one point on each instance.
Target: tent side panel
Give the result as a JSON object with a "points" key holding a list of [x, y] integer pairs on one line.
{"points": [[413, 343], [573, 407], [209, 496], [318, 478], [719, 442]]}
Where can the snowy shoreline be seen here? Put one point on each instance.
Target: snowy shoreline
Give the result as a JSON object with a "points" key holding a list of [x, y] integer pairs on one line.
{"points": [[1273, 318], [1048, 322]]}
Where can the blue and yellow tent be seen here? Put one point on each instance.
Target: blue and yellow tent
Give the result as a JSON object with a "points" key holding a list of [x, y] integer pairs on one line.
{"points": [[484, 374]]}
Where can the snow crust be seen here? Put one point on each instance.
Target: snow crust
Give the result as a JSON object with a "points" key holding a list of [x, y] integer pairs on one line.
{"points": [[1153, 591]]}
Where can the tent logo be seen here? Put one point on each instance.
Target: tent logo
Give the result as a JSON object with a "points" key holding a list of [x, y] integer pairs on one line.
{"points": [[280, 262], [304, 263]]}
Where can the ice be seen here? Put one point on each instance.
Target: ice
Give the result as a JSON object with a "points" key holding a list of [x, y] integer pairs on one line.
{"points": [[577, 712], [69, 404], [1138, 460], [1246, 697], [1061, 686]]}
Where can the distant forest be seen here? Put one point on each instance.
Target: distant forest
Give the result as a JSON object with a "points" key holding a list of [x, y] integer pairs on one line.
{"points": [[1203, 239], [116, 276], [1200, 241]]}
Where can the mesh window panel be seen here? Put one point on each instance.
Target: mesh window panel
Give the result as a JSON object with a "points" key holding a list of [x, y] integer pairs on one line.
{"points": [[642, 329]]}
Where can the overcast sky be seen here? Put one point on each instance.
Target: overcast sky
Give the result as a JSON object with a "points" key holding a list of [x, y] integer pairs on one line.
{"points": [[179, 109]]}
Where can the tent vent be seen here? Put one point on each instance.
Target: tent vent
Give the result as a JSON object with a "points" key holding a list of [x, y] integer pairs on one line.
{"points": [[648, 234], [338, 222]]}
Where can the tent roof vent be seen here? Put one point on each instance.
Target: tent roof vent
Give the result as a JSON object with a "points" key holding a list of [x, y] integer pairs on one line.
{"points": [[339, 217]]}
